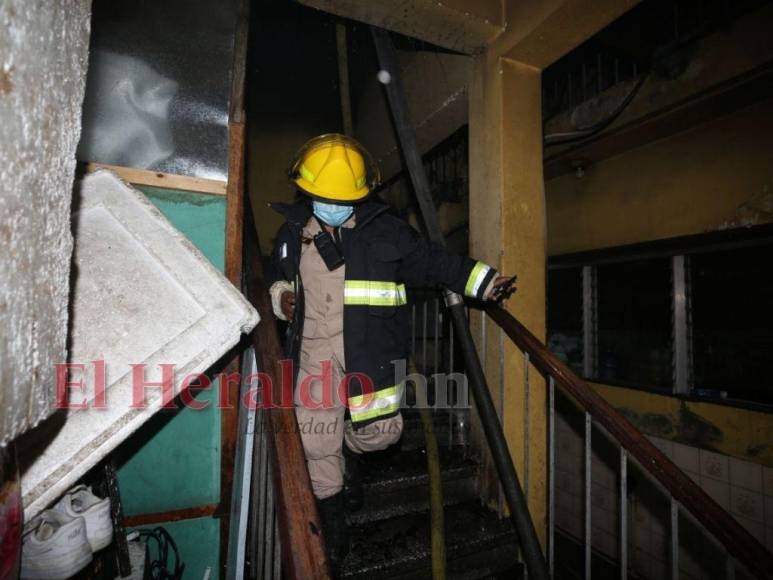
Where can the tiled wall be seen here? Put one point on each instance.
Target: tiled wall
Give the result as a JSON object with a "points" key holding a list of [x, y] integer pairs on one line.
{"points": [[744, 489]]}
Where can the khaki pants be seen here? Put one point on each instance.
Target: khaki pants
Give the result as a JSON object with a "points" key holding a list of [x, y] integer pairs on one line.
{"points": [[320, 415]]}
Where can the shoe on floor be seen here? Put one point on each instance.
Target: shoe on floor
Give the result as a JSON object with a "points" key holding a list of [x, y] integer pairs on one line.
{"points": [[79, 501], [55, 546], [354, 495], [335, 530]]}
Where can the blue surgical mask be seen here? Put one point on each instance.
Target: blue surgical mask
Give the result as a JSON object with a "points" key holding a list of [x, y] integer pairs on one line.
{"points": [[332, 214]]}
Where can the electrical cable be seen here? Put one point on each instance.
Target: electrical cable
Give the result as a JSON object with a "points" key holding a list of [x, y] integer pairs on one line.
{"points": [[570, 137]]}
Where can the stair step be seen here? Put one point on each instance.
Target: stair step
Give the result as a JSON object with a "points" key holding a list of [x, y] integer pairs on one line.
{"points": [[397, 483], [413, 431], [478, 545]]}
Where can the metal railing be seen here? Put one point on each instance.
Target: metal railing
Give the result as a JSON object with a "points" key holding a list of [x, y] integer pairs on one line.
{"points": [[688, 503], [688, 510], [264, 546]]}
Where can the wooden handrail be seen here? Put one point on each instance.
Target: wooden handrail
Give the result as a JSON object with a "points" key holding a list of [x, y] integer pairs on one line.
{"points": [[738, 542], [303, 549]]}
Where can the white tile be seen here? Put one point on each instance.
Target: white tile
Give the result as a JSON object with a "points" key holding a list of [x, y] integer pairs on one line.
{"points": [[718, 490], [689, 565], [768, 511], [767, 481], [603, 519], [687, 458], [746, 474], [659, 546], [568, 482], [660, 523], [602, 497], [714, 465], [694, 475], [747, 504], [666, 446], [641, 538], [602, 473], [603, 541], [570, 523], [756, 529], [660, 569], [640, 515], [641, 562]]}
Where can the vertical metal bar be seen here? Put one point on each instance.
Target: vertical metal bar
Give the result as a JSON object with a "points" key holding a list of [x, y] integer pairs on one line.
{"points": [[450, 347], [730, 570], [623, 514], [599, 73], [589, 327], [263, 492], [680, 330], [674, 539], [453, 400], [588, 538], [483, 338], [424, 338], [277, 572], [437, 336], [526, 423], [501, 411], [551, 476], [270, 537], [413, 330]]}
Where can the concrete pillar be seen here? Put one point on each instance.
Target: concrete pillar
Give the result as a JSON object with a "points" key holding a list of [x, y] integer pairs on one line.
{"points": [[508, 230]]}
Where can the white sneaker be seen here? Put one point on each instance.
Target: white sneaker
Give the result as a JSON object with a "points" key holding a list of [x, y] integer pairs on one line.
{"points": [[55, 546], [80, 502]]}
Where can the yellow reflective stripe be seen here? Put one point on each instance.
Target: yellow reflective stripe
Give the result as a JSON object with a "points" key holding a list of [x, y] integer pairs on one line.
{"points": [[374, 293], [477, 275], [306, 174], [360, 181], [376, 404]]}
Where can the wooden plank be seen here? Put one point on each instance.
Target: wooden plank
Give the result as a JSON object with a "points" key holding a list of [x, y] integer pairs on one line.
{"points": [[711, 104], [739, 542], [158, 179], [234, 247], [203, 511]]}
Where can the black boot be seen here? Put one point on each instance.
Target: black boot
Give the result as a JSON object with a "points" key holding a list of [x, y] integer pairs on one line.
{"points": [[336, 531], [353, 492]]}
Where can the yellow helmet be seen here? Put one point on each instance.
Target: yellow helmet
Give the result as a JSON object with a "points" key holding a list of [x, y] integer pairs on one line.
{"points": [[334, 168]]}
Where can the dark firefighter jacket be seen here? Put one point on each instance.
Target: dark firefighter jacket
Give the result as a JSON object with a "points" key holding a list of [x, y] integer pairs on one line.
{"points": [[382, 254]]}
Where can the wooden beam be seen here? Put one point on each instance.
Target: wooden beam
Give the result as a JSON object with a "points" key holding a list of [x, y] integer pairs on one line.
{"points": [[539, 32], [712, 104], [736, 71], [159, 179], [462, 25], [234, 260], [203, 511]]}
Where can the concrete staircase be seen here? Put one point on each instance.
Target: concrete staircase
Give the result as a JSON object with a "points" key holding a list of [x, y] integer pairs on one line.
{"points": [[391, 534]]}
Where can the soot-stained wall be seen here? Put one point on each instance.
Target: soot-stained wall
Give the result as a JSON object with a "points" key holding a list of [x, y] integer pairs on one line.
{"points": [[43, 60]]}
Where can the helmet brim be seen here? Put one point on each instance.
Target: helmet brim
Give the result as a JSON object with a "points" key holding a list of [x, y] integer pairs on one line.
{"points": [[312, 191]]}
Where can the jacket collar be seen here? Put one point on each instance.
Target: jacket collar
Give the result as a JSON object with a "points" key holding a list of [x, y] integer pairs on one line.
{"points": [[299, 213]]}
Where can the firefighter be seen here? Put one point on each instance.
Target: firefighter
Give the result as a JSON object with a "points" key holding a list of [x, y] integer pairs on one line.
{"points": [[343, 262]]}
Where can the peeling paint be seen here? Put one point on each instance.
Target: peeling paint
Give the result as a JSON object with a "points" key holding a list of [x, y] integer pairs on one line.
{"points": [[6, 80]]}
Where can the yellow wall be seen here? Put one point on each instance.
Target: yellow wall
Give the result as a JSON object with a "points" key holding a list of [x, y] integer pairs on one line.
{"points": [[716, 175], [737, 432]]}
